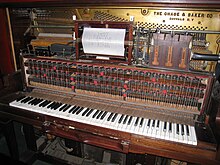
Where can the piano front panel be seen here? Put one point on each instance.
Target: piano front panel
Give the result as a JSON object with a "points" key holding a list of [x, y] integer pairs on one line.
{"points": [[80, 125]]}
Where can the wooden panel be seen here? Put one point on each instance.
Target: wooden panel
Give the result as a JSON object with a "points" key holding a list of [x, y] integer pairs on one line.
{"points": [[6, 62]]}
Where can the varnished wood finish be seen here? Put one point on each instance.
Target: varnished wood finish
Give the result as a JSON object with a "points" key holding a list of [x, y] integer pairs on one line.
{"points": [[172, 150], [6, 62]]}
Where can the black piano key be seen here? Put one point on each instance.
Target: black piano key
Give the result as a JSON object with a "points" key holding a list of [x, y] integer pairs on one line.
{"points": [[99, 115], [20, 98], [26, 100], [49, 102], [85, 112], [170, 127], [37, 102], [158, 123], [44, 102], [32, 101], [121, 118], [187, 130], [57, 106], [76, 109], [148, 123], [90, 111], [141, 122], [114, 117], [82, 110], [136, 121], [64, 106], [125, 119], [110, 116], [79, 110], [67, 107], [95, 114], [153, 123], [22, 101], [177, 129], [50, 105], [103, 115], [71, 110], [165, 126], [182, 129], [130, 119]]}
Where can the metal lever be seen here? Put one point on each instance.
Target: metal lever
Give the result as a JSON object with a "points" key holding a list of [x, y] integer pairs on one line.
{"points": [[206, 57]]}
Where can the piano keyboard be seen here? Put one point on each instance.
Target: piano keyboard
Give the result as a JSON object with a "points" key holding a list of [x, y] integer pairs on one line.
{"points": [[137, 125]]}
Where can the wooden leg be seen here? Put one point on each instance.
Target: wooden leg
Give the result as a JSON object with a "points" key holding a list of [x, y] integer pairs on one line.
{"points": [[8, 130], [30, 137]]}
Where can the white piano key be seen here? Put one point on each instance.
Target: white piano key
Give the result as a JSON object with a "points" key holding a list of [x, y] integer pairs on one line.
{"points": [[63, 114], [141, 129], [172, 134], [176, 137], [162, 132], [185, 135], [99, 120], [90, 118], [154, 129], [130, 128], [94, 119], [79, 117], [66, 114], [190, 141], [115, 125], [146, 128], [149, 132], [137, 125], [157, 134], [120, 123], [113, 120], [194, 138], [105, 121], [181, 138], [166, 131], [178, 133]]}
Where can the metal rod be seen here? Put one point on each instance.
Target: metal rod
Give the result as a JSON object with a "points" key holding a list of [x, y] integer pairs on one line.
{"points": [[145, 29], [183, 31]]}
